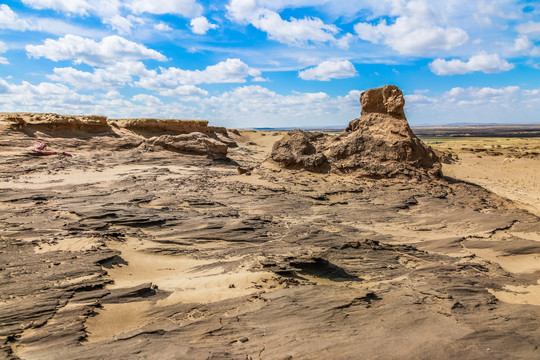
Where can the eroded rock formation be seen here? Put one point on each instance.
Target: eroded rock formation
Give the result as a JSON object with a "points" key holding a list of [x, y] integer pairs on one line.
{"points": [[194, 143], [183, 136], [167, 126], [378, 144], [297, 150], [50, 122]]}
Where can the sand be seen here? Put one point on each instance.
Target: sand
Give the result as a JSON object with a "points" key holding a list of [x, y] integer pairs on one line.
{"points": [[128, 253], [513, 172]]}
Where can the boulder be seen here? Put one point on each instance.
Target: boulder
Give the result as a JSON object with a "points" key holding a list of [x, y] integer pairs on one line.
{"points": [[297, 150]]}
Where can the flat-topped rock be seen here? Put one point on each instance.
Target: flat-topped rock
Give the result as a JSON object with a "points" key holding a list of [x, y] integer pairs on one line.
{"points": [[173, 126], [55, 122]]}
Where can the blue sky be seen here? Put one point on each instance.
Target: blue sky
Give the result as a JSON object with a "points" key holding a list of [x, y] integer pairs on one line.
{"points": [[271, 63]]}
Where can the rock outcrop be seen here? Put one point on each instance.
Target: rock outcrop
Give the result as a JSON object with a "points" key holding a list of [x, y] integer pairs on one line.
{"points": [[167, 126], [297, 150], [193, 143], [183, 136], [52, 123], [379, 144]]}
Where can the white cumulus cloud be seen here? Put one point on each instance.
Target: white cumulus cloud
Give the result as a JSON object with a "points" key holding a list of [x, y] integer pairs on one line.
{"points": [[484, 93], [486, 63], [292, 32], [414, 32], [113, 76], [328, 70], [200, 25], [80, 7], [148, 100], [118, 13], [119, 23], [94, 53], [296, 32], [229, 71], [10, 20], [258, 106]]}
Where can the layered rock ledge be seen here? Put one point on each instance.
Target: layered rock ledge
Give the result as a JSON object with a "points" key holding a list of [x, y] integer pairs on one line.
{"points": [[148, 134], [50, 122]]}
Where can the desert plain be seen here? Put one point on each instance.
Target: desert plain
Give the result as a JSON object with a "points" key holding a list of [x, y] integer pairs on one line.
{"points": [[162, 239]]}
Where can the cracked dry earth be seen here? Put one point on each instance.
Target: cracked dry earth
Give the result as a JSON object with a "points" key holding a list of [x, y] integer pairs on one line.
{"points": [[117, 253]]}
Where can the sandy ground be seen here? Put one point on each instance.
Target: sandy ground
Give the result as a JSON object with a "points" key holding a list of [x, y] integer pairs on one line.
{"points": [[507, 166], [159, 255], [517, 179]]}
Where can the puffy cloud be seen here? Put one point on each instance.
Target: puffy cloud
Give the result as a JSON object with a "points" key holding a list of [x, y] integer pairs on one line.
{"points": [[186, 92], [200, 25], [486, 63], [241, 10], [417, 99], [112, 12], [104, 9], [79, 7], [296, 32], [187, 8], [148, 100], [84, 50], [229, 71], [113, 76], [161, 26], [530, 28], [485, 93], [119, 23], [523, 45], [58, 98], [171, 82], [30, 97], [10, 20], [406, 38], [258, 106], [293, 32], [414, 32], [327, 70]]}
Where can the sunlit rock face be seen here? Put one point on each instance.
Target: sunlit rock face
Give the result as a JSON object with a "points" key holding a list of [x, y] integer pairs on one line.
{"points": [[379, 144]]}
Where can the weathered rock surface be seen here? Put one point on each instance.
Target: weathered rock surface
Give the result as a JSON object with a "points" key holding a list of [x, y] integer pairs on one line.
{"points": [[378, 144], [194, 143], [134, 254], [185, 136], [168, 126], [297, 150], [50, 122]]}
